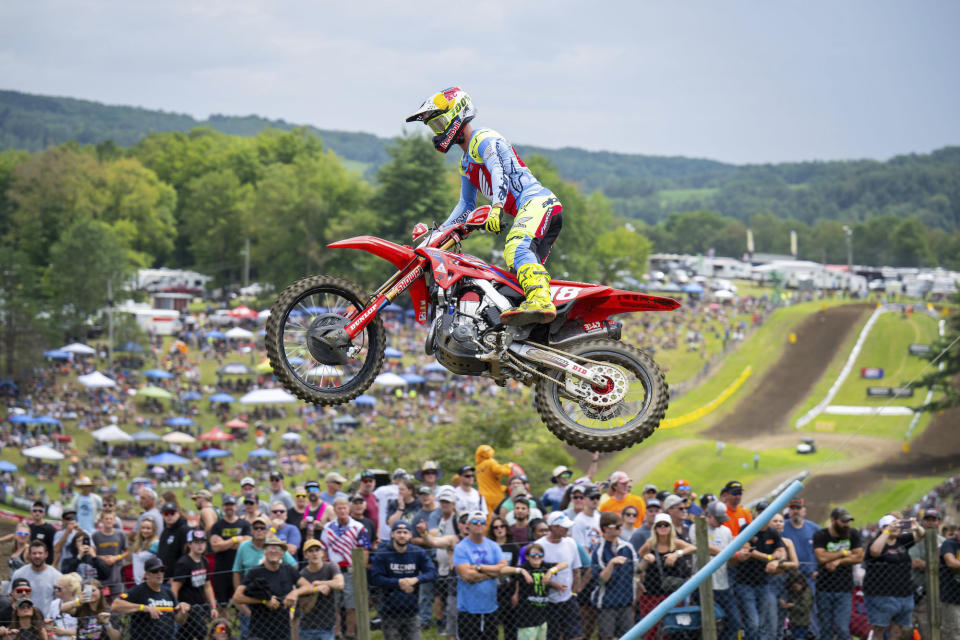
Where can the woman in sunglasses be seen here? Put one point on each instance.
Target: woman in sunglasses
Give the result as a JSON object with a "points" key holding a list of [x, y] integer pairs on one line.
{"points": [[530, 593], [61, 623], [94, 621], [220, 631], [27, 621], [664, 559], [21, 541]]}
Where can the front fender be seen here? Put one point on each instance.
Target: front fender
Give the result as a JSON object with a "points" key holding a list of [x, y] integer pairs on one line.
{"points": [[399, 256]]}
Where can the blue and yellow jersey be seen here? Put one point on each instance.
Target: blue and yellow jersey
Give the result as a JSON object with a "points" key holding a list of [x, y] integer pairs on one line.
{"points": [[492, 166]]}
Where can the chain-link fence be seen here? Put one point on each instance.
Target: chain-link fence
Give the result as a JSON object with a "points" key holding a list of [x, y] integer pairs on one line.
{"points": [[405, 594]]}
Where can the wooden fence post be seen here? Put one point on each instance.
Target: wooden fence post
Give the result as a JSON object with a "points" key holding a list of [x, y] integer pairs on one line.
{"points": [[361, 593], [708, 614], [932, 581]]}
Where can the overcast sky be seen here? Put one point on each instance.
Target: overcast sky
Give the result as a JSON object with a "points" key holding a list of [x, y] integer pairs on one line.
{"points": [[733, 80]]}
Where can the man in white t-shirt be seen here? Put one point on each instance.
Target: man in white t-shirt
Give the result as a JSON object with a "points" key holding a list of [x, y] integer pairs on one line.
{"points": [[586, 525], [467, 498], [384, 496], [563, 613], [719, 538]]}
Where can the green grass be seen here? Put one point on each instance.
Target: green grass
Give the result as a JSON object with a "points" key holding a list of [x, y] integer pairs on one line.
{"points": [[892, 427], [893, 495], [707, 470]]}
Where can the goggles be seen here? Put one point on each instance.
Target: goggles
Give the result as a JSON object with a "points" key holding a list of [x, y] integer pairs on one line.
{"points": [[440, 122]]}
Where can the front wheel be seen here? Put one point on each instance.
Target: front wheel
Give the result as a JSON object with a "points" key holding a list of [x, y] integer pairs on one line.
{"points": [[594, 423], [322, 375]]}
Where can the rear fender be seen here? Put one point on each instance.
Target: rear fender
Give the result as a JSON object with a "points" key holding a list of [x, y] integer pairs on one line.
{"points": [[399, 256], [598, 302]]}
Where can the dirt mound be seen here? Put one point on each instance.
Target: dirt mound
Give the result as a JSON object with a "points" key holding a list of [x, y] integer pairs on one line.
{"points": [[791, 379]]}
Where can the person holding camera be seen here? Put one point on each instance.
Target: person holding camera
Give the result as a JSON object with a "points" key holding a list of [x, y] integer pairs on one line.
{"points": [[887, 584]]}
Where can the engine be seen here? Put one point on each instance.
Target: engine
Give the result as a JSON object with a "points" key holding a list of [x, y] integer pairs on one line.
{"points": [[456, 335]]}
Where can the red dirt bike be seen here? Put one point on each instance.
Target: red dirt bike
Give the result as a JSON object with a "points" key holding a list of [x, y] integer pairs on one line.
{"points": [[326, 340]]}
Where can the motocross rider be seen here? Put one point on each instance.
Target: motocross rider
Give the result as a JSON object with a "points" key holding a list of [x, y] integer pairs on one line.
{"points": [[490, 164]]}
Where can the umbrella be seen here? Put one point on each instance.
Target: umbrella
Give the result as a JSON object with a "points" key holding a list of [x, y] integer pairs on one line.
{"points": [[178, 437], [234, 369], [7, 466], [112, 433], [155, 392], [42, 452], [56, 354], [261, 453], [389, 380], [365, 400], [237, 332], [290, 437], [222, 397], [236, 423], [346, 421], [190, 395], [216, 435], [145, 436], [413, 378], [166, 458], [219, 335], [390, 352], [96, 380], [158, 374], [130, 347], [212, 453], [267, 396], [22, 418], [79, 349], [242, 312], [180, 421]]}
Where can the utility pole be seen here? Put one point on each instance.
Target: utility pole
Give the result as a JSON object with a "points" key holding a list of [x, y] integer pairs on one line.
{"points": [[110, 323], [246, 263]]}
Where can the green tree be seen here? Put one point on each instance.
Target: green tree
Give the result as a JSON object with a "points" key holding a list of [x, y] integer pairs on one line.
{"points": [[694, 231], [621, 249], [945, 380], [24, 328], [909, 244]]}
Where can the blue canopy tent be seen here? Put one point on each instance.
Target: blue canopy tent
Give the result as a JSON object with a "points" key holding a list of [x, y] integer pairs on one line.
{"points": [[7, 466], [213, 453], [47, 420], [180, 421], [390, 352], [56, 354], [23, 418], [158, 374], [261, 453], [693, 288], [166, 458], [222, 397], [191, 395], [8, 384], [413, 378], [365, 400], [218, 335]]}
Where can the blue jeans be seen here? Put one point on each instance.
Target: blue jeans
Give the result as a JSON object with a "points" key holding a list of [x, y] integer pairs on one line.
{"points": [[316, 634], [759, 610], [833, 612], [799, 632], [731, 616], [425, 603]]}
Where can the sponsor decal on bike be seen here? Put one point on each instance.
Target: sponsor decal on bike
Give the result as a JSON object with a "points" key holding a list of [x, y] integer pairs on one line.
{"points": [[592, 326], [362, 319], [563, 294], [405, 282]]}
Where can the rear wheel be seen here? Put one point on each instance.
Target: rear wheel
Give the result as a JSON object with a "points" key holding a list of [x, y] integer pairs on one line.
{"points": [[623, 412], [315, 306]]}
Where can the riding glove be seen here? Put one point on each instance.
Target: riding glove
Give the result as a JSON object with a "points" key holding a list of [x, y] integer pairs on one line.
{"points": [[493, 220]]}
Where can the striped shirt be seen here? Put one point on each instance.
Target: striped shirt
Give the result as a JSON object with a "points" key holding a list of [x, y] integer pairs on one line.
{"points": [[340, 540]]}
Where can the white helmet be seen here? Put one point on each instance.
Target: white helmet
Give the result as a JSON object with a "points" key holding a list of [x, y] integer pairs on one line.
{"points": [[446, 113]]}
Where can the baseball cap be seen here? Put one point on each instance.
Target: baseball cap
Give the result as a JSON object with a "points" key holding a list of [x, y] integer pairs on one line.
{"points": [[591, 492], [424, 490], [367, 473], [333, 476], [649, 487], [795, 502], [202, 493], [931, 513], [761, 506], [477, 515], [83, 481], [841, 514], [886, 521], [559, 519], [19, 582], [274, 541], [558, 471], [311, 484], [465, 468], [229, 499], [718, 511], [248, 480], [312, 542], [398, 473], [400, 524], [662, 517], [69, 511], [250, 498], [196, 535], [21, 601], [357, 498], [262, 519], [153, 563], [619, 476], [276, 475], [681, 484], [653, 502], [672, 501], [447, 494], [732, 486], [706, 499], [168, 507]]}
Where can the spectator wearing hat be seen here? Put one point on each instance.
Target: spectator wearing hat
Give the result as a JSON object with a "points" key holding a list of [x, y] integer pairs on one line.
{"points": [[563, 614], [19, 588], [574, 499], [277, 492], [340, 537], [516, 487], [87, 504], [478, 562], [250, 553], [930, 521], [887, 584], [209, 514], [153, 609], [615, 562], [318, 511], [283, 530], [69, 527], [468, 498], [40, 576], [429, 474], [553, 496], [191, 584], [950, 586], [738, 517], [248, 489], [26, 620], [838, 548], [296, 514], [683, 489], [649, 493], [442, 539], [718, 539], [399, 568], [675, 507], [334, 490], [386, 495], [40, 529], [798, 530], [368, 482], [757, 561], [318, 614], [642, 533], [270, 590], [358, 508], [663, 556], [429, 513], [226, 535], [620, 496], [173, 538]]}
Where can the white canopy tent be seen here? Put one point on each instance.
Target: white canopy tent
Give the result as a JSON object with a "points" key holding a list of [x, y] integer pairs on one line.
{"points": [[96, 380], [389, 380], [43, 452], [112, 433], [79, 348], [238, 332], [178, 437], [267, 396]]}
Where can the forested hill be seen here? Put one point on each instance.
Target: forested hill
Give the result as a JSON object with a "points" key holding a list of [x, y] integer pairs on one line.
{"points": [[649, 188]]}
